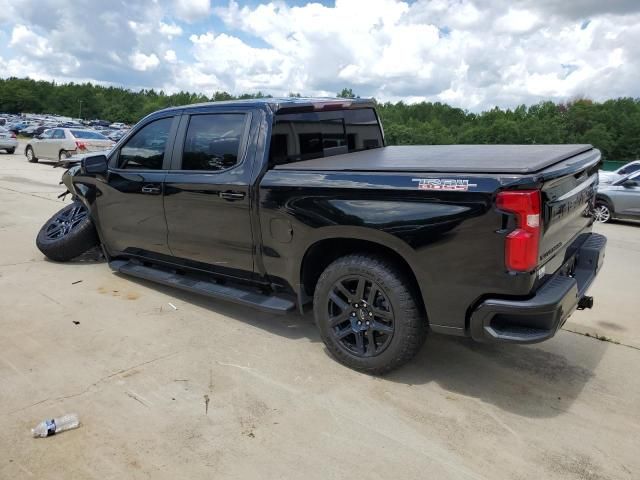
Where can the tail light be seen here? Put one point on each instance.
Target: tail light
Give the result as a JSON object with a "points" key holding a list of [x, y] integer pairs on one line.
{"points": [[13, 134], [80, 145], [521, 246]]}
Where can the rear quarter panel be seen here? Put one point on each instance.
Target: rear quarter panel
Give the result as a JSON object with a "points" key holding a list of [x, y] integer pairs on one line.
{"points": [[452, 240]]}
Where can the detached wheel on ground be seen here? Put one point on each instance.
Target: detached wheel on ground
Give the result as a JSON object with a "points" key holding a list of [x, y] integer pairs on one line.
{"points": [[30, 155], [602, 212], [368, 314], [68, 234]]}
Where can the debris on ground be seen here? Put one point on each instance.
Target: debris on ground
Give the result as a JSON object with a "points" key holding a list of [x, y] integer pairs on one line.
{"points": [[47, 428]]}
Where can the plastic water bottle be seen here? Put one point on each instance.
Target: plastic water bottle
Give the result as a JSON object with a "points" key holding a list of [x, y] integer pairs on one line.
{"points": [[46, 428]]}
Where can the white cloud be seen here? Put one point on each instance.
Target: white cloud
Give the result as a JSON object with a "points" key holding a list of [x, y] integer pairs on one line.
{"points": [[470, 53], [191, 10], [170, 56], [141, 62], [170, 30], [24, 40]]}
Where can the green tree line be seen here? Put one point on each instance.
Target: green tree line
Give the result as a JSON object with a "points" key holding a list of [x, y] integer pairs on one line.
{"points": [[613, 126]]}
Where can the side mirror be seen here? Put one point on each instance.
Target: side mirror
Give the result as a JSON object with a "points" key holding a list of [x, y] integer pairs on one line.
{"points": [[39, 137], [96, 165], [629, 184]]}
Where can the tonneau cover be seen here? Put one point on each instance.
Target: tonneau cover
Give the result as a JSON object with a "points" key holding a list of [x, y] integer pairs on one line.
{"points": [[517, 159]]}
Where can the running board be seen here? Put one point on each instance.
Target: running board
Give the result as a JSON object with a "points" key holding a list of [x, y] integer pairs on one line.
{"points": [[242, 296]]}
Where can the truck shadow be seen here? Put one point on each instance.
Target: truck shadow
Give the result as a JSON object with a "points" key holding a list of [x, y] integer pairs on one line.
{"points": [[540, 380], [535, 381]]}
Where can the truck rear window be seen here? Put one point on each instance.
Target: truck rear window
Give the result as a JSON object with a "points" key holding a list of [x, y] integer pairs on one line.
{"points": [[303, 136]]}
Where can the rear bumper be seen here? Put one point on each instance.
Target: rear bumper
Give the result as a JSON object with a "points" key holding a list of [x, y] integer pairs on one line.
{"points": [[538, 318], [8, 143]]}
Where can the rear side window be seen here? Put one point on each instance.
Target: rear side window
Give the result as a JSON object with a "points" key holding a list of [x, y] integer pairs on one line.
{"points": [[145, 150], [630, 169], [85, 134], [58, 134], [213, 141], [304, 136]]}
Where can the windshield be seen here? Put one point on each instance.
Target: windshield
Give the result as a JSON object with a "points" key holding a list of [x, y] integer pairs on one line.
{"points": [[88, 134]]}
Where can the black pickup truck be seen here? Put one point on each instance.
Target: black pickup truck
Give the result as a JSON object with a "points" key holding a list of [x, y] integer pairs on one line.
{"points": [[284, 203]]}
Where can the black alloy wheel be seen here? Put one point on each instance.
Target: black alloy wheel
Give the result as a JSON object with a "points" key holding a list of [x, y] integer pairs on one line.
{"points": [[360, 316]]}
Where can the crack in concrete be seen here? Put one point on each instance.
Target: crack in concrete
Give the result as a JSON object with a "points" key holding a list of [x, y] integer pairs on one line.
{"points": [[93, 385], [601, 338], [30, 194]]}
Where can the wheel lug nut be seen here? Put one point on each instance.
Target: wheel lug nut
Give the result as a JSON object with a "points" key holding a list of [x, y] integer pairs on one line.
{"points": [[359, 322], [367, 322], [356, 305], [371, 314], [353, 314]]}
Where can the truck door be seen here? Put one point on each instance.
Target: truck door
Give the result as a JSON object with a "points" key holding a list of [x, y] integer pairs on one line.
{"points": [[129, 206], [206, 196]]}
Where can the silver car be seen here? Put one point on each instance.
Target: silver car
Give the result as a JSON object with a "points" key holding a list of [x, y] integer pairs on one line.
{"points": [[620, 200], [8, 141], [61, 143]]}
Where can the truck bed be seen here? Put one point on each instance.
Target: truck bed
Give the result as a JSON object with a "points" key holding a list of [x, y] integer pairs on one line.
{"points": [[514, 159]]}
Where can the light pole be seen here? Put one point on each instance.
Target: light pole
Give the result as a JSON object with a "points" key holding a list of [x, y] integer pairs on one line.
{"points": [[80, 115]]}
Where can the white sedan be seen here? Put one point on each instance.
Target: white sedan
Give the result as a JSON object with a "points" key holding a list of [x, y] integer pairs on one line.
{"points": [[611, 177], [61, 143]]}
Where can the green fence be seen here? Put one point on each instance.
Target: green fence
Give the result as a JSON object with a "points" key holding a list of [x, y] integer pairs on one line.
{"points": [[613, 164]]}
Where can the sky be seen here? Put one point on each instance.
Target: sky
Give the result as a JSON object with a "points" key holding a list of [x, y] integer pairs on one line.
{"points": [[473, 54]]}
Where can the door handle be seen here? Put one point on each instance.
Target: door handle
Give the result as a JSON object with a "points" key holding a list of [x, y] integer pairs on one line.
{"points": [[232, 195], [150, 189]]}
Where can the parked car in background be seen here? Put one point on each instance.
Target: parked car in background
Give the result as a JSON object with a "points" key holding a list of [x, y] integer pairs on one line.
{"points": [[118, 125], [61, 143], [8, 141], [117, 135], [614, 176], [620, 200]]}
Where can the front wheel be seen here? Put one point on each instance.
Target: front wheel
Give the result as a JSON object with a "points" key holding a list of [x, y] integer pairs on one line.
{"points": [[68, 234], [368, 314], [602, 212]]}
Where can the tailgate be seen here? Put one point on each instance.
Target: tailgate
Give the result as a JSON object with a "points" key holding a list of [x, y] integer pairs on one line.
{"points": [[568, 196]]}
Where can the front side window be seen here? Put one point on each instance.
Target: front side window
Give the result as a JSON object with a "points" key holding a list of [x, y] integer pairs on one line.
{"points": [[145, 150], [304, 136], [47, 134], [213, 141]]}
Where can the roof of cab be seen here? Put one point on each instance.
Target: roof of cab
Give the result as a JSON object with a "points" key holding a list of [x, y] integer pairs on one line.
{"points": [[286, 104]]}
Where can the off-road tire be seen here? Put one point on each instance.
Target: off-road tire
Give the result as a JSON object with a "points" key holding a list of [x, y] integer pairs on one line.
{"points": [[81, 236], [410, 323], [33, 158]]}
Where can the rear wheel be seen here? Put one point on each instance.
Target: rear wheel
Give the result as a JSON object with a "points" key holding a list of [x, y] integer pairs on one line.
{"points": [[602, 212], [63, 155], [368, 315], [68, 234], [30, 155], [11, 151]]}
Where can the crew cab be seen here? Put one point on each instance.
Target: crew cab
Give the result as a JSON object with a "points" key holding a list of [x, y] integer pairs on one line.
{"points": [[285, 204]]}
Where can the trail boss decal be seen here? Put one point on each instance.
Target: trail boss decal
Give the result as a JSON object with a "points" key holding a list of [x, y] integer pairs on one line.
{"points": [[443, 184]]}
